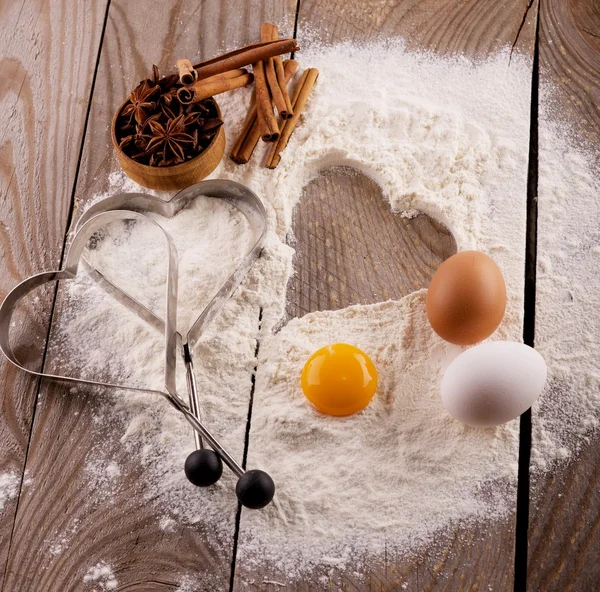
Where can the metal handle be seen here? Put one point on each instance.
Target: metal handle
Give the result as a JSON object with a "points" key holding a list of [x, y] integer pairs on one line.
{"points": [[198, 427], [192, 393]]}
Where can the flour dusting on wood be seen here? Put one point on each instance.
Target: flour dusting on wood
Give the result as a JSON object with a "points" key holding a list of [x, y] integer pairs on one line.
{"points": [[444, 136]]}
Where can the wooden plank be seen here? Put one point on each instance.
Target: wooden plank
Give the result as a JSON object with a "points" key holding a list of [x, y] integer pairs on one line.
{"points": [[477, 29], [564, 529], [121, 529], [47, 56]]}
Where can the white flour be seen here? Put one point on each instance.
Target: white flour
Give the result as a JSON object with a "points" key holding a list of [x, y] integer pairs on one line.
{"points": [[223, 230], [101, 578], [568, 286], [9, 485], [443, 136]]}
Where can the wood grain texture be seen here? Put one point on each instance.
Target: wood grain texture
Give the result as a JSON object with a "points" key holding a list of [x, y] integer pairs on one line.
{"points": [[474, 27], [570, 58], [564, 530], [564, 526], [351, 249], [47, 57], [65, 524], [465, 558]]}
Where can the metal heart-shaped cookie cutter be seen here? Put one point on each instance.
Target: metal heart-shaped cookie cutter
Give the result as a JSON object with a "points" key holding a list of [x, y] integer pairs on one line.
{"points": [[254, 488]]}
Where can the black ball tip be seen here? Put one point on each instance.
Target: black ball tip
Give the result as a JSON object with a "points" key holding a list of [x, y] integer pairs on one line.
{"points": [[255, 489], [203, 467]]}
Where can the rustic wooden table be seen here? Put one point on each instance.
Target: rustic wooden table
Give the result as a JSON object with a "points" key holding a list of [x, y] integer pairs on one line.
{"points": [[64, 68]]}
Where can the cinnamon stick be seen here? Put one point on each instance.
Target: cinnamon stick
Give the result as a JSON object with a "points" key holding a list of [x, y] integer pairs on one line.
{"points": [[286, 108], [187, 74], [309, 77], [251, 131], [264, 108], [244, 56], [214, 85], [249, 136], [281, 80], [268, 32]]}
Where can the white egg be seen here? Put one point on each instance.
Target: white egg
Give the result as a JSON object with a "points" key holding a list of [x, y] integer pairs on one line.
{"points": [[492, 383]]}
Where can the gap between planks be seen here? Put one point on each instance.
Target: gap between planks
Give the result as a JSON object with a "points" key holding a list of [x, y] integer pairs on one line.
{"points": [[525, 427], [238, 516]]}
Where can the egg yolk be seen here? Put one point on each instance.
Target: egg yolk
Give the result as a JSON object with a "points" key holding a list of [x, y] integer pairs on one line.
{"points": [[339, 379]]}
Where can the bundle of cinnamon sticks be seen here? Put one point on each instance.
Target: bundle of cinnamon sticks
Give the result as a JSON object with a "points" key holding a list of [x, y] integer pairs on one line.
{"points": [[271, 76], [226, 72]]}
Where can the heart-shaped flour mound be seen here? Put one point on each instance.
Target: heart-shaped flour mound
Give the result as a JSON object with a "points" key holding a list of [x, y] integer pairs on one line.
{"points": [[352, 249], [225, 192]]}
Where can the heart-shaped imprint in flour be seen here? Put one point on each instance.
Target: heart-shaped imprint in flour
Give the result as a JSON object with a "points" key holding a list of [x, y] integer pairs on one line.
{"points": [[352, 249]]}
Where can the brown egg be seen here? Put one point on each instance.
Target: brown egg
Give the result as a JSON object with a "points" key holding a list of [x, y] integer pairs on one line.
{"points": [[466, 299]]}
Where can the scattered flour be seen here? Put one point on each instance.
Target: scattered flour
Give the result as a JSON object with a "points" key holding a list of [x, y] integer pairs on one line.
{"points": [[186, 585], [59, 546], [60, 543], [103, 473], [568, 286], [167, 524], [445, 136], [9, 487], [222, 229], [101, 577], [197, 583]]}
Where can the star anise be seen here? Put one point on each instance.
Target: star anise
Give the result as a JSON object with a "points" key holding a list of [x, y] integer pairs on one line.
{"points": [[207, 128], [138, 140], [140, 101], [169, 113], [169, 97], [155, 129], [190, 118], [210, 126], [200, 106], [167, 82], [168, 140]]}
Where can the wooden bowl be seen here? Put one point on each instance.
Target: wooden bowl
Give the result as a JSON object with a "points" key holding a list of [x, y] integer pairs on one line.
{"points": [[177, 176]]}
